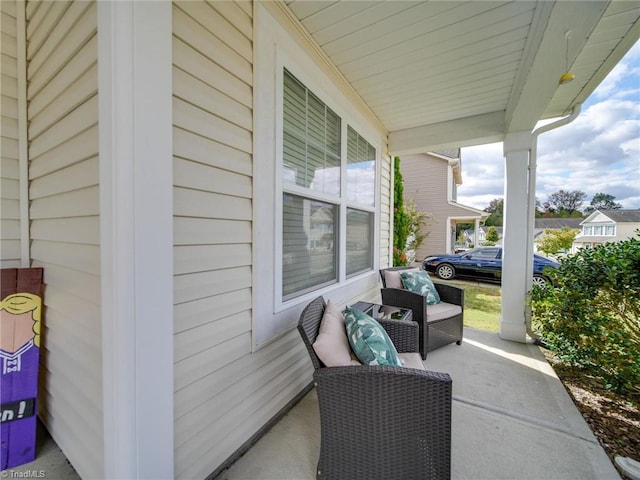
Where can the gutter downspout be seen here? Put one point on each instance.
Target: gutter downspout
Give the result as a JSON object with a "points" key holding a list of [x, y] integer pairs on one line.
{"points": [[531, 205]]}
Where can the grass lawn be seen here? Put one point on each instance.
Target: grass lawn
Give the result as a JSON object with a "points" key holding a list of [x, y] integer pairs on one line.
{"points": [[482, 305]]}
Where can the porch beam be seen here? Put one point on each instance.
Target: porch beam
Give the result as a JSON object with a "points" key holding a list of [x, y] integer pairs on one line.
{"points": [[464, 132], [136, 237]]}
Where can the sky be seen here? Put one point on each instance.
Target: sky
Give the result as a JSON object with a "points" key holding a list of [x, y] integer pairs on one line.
{"points": [[599, 152]]}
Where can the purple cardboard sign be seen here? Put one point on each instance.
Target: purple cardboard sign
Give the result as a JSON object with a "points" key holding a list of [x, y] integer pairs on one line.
{"points": [[19, 356]]}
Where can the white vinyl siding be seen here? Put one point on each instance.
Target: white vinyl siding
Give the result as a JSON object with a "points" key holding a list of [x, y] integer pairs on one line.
{"points": [[63, 176], [425, 181], [385, 233], [10, 254], [222, 390]]}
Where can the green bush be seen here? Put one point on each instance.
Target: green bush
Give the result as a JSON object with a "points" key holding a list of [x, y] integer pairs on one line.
{"points": [[591, 317]]}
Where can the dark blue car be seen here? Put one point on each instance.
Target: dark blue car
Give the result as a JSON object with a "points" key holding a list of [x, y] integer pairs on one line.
{"points": [[482, 263]]}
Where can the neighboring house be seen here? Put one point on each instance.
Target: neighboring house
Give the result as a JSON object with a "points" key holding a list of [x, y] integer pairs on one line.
{"points": [[604, 226], [543, 224], [471, 240], [190, 175], [432, 180]]}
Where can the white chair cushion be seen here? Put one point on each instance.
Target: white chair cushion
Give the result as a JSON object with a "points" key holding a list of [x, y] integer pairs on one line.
{"points": [[442, 310], [412, 360]]}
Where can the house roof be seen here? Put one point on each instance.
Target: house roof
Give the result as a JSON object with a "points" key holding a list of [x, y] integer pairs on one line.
{"points": [[473, 212], [543, 223], [438, 75], [452, 153], [618, 216]]}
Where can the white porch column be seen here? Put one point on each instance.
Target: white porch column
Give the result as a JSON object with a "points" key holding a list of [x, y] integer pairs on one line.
{"points": [[516, 229], [136, 237], [476, 227]]}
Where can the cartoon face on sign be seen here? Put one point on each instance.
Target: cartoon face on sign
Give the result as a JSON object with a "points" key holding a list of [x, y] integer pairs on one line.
{"points": [[19, 323]]}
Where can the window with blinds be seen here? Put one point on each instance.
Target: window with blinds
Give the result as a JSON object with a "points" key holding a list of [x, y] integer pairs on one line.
{"points": [[361, 170], [360, 191], [359, 241], [311, 143], [312, 196], [308, 244]]}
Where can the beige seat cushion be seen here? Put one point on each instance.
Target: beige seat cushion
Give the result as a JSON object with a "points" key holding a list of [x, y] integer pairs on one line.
{"points": [[442, 310], [331, 345], [412, 360], [392, 277]]}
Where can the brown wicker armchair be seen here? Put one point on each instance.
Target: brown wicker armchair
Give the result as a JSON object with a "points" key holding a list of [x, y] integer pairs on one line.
{"points": [[380, 422], [442, 327]]}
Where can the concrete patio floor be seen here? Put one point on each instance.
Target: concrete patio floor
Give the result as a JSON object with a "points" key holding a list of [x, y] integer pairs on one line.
{"points": [[512, 419]]}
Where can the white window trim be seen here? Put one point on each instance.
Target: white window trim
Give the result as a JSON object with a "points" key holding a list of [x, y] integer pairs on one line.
{"points": [[273, 51], [284, 61], [603, 226]]}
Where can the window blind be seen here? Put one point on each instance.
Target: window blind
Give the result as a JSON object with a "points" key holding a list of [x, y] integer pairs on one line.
{"points": [[308, 244], [311, 146], [359, 241], [361, 169]]}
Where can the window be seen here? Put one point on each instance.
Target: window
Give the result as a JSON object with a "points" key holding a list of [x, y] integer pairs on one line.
{"points": [[600, 230], [321, 186], [359, 241], [308, 244], [488, 253], [360, 191], [311, 140], [361, 170]]}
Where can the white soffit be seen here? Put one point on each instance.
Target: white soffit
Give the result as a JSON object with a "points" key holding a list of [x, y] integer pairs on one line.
{"points": [[461, 73]]}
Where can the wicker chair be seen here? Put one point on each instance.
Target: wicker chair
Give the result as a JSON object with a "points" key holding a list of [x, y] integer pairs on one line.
{"points": [[380, 422], [440, 330]]}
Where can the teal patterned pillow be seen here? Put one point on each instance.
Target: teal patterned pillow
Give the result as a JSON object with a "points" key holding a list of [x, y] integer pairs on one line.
{"points": [[369, 340], [421, 283]]}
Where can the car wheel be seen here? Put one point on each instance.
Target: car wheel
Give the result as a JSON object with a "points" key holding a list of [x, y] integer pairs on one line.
{"points": [[540, 280], [445, 271]]}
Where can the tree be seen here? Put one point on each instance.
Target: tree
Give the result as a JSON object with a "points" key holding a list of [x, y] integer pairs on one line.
{"points": [[557, 241], [400, 225], [565, 204], [495, 211], [539, 210], [417, 222], [491, 237], [602, 201]]}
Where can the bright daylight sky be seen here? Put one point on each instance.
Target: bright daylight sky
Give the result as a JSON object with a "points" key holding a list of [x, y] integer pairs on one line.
{"points": [[598, 152]]}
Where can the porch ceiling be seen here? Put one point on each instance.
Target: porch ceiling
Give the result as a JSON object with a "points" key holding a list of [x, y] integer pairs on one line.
{"points": [[453, 73]]}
